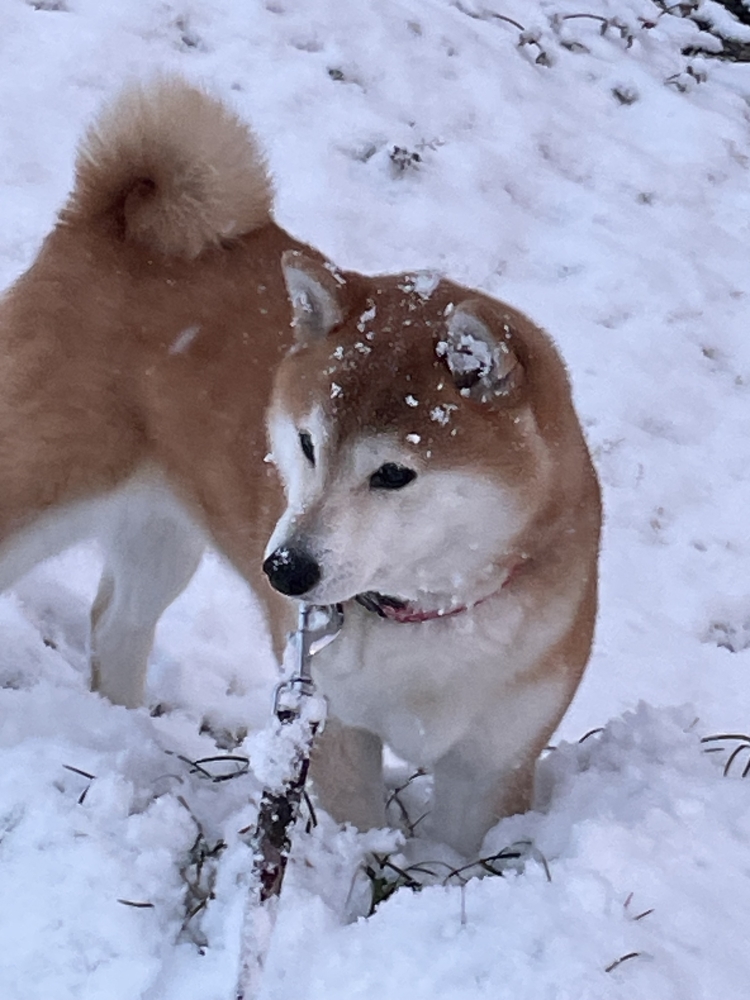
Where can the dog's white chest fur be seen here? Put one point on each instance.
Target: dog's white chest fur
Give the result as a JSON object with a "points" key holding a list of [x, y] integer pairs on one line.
{"points": [[426, 687]]}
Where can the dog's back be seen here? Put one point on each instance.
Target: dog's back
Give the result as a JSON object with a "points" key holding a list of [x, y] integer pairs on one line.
{"points": [[166, 175]]}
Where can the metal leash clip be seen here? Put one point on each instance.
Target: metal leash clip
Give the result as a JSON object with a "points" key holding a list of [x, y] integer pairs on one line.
{"points": [[318, 625]]}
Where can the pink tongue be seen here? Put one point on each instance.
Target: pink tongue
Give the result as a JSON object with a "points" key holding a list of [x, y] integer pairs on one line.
{"points": [[409, 614], [401, 614]]}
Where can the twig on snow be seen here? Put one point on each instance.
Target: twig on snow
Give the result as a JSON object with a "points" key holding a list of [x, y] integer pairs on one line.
{"points": [[621, 959], [526, 37], [743, 746]]}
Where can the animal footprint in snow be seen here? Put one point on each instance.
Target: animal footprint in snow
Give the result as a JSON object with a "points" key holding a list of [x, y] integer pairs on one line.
{"points": [[729, 633]]}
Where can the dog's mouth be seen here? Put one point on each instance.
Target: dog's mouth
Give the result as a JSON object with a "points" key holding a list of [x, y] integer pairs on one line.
{"points": [[381, 604], [397, 610]]}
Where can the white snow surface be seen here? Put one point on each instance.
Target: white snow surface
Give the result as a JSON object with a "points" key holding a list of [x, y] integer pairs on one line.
{"points": [[621, 223]]}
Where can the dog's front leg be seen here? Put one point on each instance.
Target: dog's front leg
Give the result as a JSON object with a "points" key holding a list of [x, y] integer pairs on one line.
{"points": [[347, 774], [472, 792]]}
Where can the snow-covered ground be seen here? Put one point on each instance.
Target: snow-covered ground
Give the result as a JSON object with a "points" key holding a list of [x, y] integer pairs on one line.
{"points": [[605, 190]]}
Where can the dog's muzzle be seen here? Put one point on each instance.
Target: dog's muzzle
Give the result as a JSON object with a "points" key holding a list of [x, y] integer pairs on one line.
{"points": [[292, 571]]}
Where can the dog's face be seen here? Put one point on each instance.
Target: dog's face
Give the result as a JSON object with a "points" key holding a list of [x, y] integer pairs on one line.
{"points": [[401, 427]]}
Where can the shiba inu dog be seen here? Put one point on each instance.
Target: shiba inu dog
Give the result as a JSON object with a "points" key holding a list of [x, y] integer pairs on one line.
{"points": [[439, 487], [436, 477]]}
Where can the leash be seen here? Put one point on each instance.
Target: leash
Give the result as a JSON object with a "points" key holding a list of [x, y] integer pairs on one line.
{"points": [[279, 805]]}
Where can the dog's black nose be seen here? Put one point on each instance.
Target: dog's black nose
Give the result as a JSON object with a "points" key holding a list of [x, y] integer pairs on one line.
{"points": [[291, 571]]}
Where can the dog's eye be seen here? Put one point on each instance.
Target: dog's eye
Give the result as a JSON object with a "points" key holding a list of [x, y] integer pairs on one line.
{"points": [[306, 444], [391, 477]]}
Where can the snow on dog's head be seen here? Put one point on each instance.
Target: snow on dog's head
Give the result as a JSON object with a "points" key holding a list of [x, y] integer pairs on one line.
{"points": [[415, 426]]}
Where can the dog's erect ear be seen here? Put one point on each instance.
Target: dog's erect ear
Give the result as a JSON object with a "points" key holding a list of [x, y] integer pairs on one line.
{"points": [[315, 293], [483, 364]]}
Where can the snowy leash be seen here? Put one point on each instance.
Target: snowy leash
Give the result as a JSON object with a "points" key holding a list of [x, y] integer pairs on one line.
{"points": [[279, 805]]}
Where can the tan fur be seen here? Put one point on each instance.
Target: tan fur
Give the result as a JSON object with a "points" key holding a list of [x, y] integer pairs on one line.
{"points": [[136, 363], [176, 170]]}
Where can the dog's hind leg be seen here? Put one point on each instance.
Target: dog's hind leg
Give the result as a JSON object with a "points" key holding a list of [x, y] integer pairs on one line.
{"points": [[151, 555]]}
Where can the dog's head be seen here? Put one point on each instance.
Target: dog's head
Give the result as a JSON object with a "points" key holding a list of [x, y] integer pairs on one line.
{"points": [[405, 424]]}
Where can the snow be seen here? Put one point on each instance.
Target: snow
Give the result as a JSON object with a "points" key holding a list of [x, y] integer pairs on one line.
{"points": [[183, 340], [367, 316], [605, 191], [442, 414]]}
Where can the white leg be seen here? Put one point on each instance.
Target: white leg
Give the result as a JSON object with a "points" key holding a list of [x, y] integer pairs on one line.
{"points": [[470, 794], [490, 774], [347, 773], [151, 557]]}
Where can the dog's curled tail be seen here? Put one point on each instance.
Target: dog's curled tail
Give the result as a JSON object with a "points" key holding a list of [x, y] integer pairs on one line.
{"points": [[173, 169]]}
